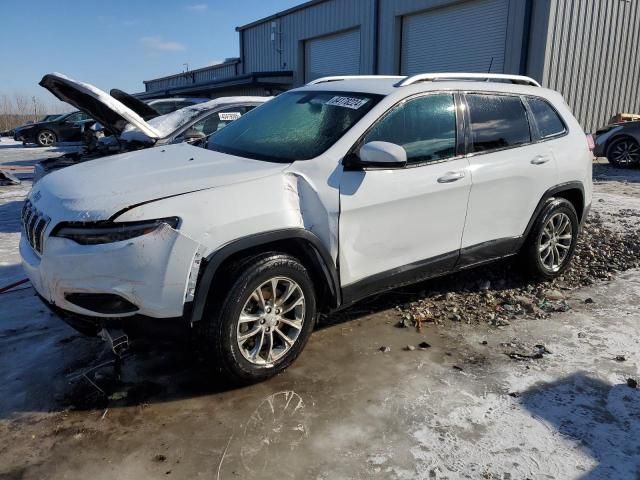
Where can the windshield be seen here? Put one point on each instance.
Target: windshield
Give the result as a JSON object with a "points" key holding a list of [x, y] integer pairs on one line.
{"points": [[293, 126]]}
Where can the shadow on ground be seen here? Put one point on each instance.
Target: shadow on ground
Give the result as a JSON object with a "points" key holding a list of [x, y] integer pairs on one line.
{"points": [[10, 216], [61, 147], [602, 419], [607, 172], [47, 366]]}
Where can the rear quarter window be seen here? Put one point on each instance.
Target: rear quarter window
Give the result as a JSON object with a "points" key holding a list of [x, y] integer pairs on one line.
{"points": [[547, 119], [497, 121]]}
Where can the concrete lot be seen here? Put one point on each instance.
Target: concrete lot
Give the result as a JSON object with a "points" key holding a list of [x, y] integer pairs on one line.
{"points": [[345, 409]]}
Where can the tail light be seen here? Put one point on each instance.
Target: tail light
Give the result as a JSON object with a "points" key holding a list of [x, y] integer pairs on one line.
{"points": [[591, 143]]}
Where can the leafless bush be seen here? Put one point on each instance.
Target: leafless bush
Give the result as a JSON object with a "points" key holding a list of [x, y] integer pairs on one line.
{"points": [[17, 109]]}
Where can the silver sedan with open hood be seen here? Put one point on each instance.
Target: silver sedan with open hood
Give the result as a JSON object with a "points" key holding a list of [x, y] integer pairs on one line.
{"points": [[131, 123]]}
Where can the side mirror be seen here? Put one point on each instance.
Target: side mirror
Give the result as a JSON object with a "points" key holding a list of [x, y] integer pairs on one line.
{"points": [[382, 155], [192, 135]]}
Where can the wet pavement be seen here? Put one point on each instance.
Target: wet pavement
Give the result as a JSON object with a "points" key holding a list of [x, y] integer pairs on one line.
{"points": [[463, 407]]}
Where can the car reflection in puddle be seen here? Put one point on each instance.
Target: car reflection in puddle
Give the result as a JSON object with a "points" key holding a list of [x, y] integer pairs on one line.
{"points": [[275, 429]]}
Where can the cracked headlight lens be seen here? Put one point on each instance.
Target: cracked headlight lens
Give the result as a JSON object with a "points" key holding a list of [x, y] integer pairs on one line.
{"points": [[100, 233]]}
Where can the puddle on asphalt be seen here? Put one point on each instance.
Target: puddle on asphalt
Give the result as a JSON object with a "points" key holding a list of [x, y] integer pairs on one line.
{"points": [[333, 397]]}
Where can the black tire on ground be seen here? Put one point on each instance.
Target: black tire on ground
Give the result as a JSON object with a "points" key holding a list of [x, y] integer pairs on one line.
{"points": [[624, 153], [541, 263], [46, 138], [217, 332]]}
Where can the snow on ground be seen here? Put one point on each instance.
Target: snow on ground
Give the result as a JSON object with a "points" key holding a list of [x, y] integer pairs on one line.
{"points": [[460, 409], [18, 160]]}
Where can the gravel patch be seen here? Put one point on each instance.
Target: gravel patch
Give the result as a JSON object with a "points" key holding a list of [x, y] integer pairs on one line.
{"points": [[500, 293]]}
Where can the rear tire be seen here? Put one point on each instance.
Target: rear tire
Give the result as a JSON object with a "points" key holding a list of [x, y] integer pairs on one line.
{"points": [[247, 334], [552, 241], [624, 153], [46, 138]]}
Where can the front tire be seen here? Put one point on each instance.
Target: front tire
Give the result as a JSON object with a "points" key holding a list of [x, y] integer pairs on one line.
{"points": [[46, 138], [260, 325], [552, 241], [624, 153]]}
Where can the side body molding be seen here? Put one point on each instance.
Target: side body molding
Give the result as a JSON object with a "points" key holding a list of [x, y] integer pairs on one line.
{"points": [[429, 268], [557, 190], [217, 258]]}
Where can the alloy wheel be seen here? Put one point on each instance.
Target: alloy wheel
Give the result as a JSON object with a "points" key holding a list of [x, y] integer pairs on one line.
{"points": [[46, 138], [271, 321], [626, 152], [555, 242]]}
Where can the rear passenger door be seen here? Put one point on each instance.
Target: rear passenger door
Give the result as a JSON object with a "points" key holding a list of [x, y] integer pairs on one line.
{"points": [[510, 172]]}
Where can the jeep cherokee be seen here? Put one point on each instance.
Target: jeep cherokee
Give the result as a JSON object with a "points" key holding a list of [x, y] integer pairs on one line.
{"points": [[344, 188]]}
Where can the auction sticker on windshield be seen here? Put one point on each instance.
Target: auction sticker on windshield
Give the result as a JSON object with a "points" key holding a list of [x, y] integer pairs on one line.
{"points": [[347, 102], [229, 116]]}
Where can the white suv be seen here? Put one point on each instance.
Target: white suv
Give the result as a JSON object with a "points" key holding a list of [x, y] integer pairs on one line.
{"points": [[329, 193]]}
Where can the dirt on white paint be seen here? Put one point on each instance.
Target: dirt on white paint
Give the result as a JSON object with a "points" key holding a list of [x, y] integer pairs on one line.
{"points": [[459, 408]]}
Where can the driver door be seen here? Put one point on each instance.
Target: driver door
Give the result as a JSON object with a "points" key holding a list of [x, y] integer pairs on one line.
{"points": [[69, 130], [403, 224]]}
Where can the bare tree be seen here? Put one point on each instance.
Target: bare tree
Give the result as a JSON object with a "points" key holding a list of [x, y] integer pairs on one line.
{"points": [[18, 108]]}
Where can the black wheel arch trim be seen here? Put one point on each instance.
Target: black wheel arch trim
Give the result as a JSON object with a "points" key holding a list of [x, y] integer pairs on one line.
{"points": [[461, 259], [215, 260], [551, 193]]}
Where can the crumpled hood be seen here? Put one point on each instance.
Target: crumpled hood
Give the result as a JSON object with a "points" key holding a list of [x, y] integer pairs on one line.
{"points": [[97, 190]]}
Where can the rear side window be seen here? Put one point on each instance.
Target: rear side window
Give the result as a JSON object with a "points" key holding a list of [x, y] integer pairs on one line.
{"points": [[425, 127], [221, 119], [497, 121], [547, 119], [76, 117]]}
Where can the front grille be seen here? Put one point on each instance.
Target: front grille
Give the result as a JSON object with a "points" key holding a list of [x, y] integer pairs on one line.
{"points": [[34, 225]]}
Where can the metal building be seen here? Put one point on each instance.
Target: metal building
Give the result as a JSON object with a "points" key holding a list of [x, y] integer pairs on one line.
{"points": [[586, 49]]}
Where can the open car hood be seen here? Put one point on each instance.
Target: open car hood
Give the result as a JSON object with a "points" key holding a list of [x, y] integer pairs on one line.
{"points": [[147, 112], [111, 113]]}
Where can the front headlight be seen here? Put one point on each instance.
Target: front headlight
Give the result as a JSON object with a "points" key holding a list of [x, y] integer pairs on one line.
{"points": [[100, 233]]}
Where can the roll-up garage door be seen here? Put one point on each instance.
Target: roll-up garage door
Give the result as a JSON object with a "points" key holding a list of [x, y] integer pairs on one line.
{"points": [[337, 54], [462, 38]]}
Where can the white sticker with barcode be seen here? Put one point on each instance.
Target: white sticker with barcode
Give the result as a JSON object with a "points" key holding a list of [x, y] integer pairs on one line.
{"points": [[229, 116], [348, 102]]}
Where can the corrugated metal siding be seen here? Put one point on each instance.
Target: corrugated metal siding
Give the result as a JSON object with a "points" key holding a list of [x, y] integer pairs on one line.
{"points": [[337, 54], [592, 57], [467, 37], [393, 11], [286, 51], [202, 75]]}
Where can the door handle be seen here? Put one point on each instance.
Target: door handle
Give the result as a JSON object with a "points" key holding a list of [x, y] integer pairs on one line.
{"points": [[540, 160], [450, 177]]}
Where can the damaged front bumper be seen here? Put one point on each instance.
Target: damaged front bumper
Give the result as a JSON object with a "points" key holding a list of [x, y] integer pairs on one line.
{"points": [[150, 276]]}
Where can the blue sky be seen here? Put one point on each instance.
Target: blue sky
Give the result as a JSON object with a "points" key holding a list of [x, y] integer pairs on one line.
{"points": [[118, 43]]}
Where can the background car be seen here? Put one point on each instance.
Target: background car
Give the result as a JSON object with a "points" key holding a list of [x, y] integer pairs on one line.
{"points": [[620, 143], [168, 105], [194, 122], [155, 107], [63, 128], [128, 125], [48, 118], [147, 109]]}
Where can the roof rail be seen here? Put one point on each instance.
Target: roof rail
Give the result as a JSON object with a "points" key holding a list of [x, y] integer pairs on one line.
{"points": [[353, 77], [430, 77]]}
